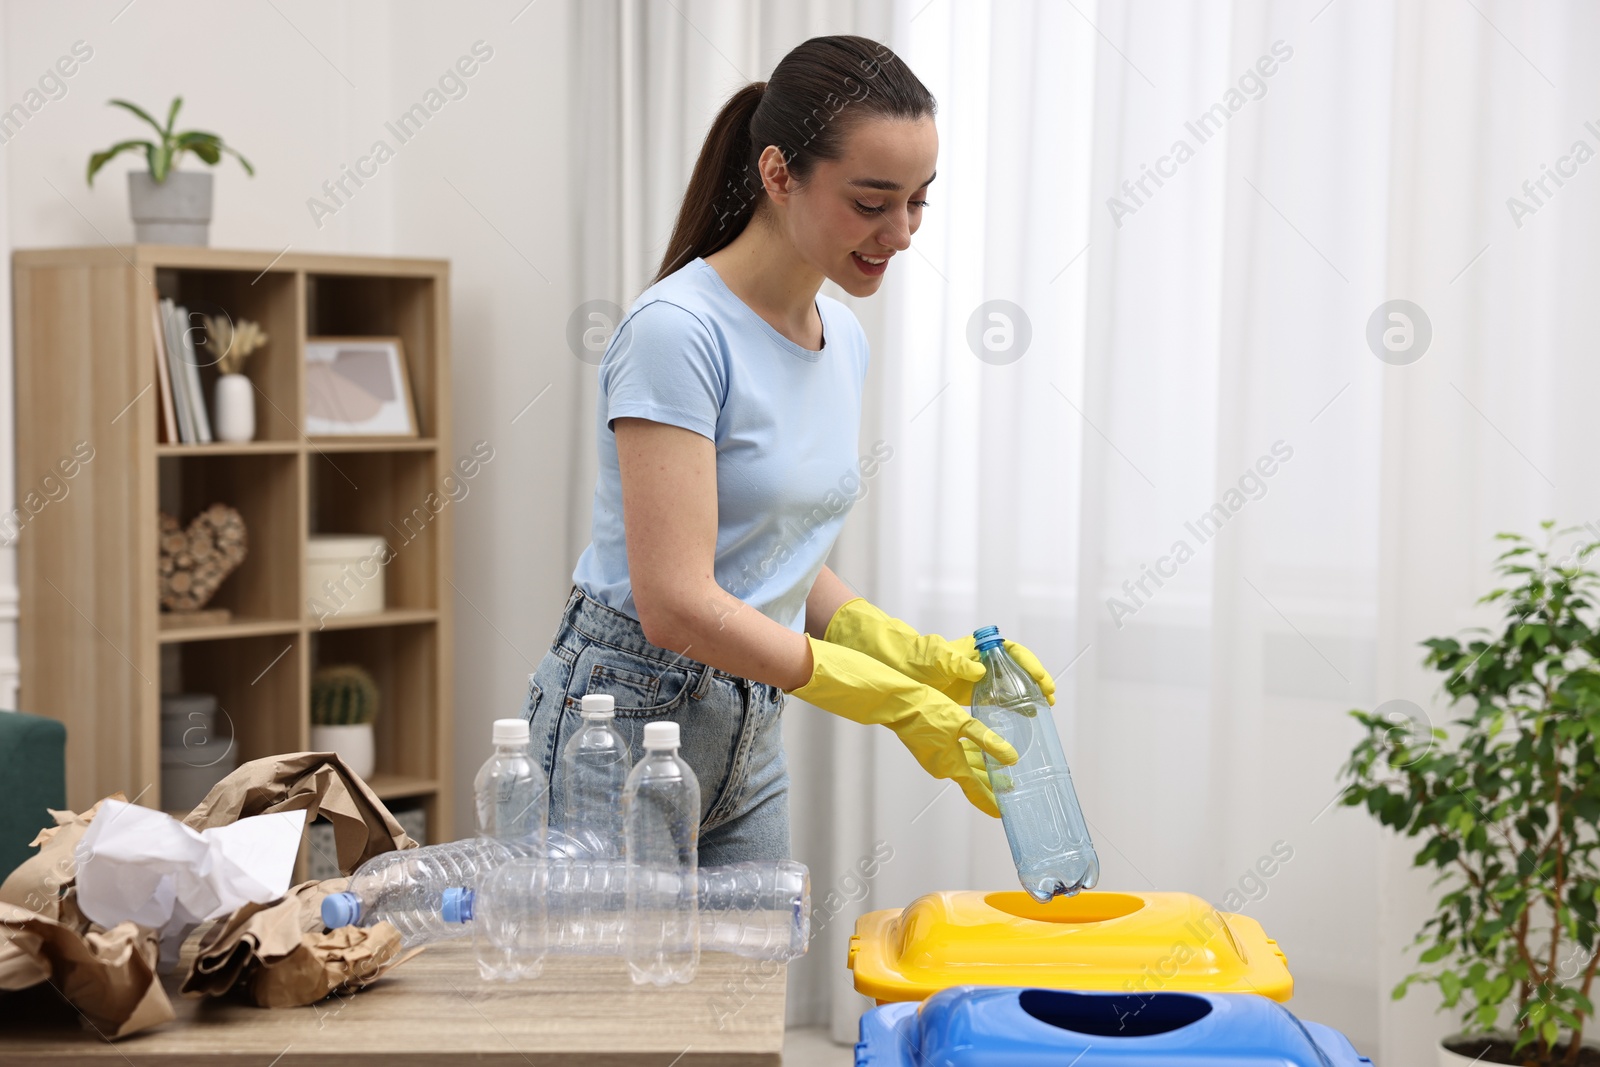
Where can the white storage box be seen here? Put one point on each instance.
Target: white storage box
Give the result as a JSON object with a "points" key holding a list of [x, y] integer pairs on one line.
{"points": [[344, 574]]}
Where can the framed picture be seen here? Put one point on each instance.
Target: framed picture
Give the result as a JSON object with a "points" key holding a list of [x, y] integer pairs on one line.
{"points": [[358, 387]]}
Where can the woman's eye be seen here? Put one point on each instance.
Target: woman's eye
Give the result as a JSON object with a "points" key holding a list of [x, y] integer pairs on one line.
{"points": [[868, 209]]}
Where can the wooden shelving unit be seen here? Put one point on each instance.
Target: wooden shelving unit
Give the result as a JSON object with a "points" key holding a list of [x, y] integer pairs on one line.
{"points": [[92, 648]]}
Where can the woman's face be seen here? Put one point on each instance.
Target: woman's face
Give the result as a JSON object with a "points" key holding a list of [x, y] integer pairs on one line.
{"points": [[866, 203]]}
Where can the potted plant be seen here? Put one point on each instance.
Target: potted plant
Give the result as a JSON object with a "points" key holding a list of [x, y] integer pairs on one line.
{"points": [[344, 703], [234, 399], [169, 206], [1506, 804]]}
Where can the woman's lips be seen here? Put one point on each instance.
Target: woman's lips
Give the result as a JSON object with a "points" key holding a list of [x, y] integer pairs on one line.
{"points": [[872, 270]]}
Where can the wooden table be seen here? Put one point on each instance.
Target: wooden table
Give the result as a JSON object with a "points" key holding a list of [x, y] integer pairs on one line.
{"points": [[434, 1009]]}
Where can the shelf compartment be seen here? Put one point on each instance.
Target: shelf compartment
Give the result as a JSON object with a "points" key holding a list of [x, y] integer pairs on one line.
{"points": [[272, 300], [393, 495], [404, 661], [348, 305], [257, 682], [265, 488]]}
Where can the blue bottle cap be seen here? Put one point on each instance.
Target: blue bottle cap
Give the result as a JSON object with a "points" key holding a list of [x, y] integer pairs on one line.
{"points": [[340, 909], [988, 637], [456, 907]]}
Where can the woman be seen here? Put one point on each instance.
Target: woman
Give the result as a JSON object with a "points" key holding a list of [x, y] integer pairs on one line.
{"points": [[729, 410]]}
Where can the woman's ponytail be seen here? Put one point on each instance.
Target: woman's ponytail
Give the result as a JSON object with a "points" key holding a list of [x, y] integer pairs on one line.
{"points": [[815, 92], [722, 191]]}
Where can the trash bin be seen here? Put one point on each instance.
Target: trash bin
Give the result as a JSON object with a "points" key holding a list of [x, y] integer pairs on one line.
{"points": [[1116, 942], [969, 1026]]}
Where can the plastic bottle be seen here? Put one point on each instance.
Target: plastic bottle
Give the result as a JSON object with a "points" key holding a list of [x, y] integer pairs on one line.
{"points": [[410, 887], [661, 827], [594, 769], [1049, 839], [511, 790], [419, 889], [756, 910]]}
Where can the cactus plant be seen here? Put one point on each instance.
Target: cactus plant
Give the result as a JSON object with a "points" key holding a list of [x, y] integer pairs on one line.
{"points": [[343, 695]]}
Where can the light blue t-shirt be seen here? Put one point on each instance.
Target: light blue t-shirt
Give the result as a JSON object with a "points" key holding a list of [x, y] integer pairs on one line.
{"points": [[785, 421]]}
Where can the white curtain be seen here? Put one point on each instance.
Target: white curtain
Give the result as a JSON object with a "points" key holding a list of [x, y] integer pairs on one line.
{"points": [[1198, 494]]}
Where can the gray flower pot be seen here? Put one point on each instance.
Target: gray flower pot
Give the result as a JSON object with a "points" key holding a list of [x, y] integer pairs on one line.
{"points": [[174, 212]]}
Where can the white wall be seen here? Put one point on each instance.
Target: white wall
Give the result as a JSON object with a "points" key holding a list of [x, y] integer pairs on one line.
{"points": [[301, 88]]}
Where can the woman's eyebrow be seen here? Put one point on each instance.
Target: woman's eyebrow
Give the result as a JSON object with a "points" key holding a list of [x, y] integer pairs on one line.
{"points": [[886, 184]]}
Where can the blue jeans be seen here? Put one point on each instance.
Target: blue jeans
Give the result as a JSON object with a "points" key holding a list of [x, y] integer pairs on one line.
{"points": [[729, 726]]}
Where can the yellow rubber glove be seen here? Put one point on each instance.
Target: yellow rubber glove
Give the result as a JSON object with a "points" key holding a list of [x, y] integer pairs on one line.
{"points": [[951, 667], [857, 687]]}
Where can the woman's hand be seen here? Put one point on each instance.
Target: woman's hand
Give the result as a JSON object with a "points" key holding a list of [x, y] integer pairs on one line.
{"points": [[951, 667]]}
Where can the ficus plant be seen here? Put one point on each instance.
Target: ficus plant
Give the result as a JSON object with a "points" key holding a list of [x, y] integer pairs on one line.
{"points": [[162, 153], [1505, 804]]}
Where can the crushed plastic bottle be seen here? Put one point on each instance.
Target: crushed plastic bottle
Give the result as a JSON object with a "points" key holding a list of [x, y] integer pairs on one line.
{"points": [[1044, 824]]}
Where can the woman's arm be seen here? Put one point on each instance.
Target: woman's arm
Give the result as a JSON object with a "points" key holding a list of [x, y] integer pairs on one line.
{"points": [[669, 516], [827, 593]]}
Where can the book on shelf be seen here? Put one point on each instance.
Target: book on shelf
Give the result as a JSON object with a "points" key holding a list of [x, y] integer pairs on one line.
{"points": [[166, 423], [180, 383], [194, 427]]}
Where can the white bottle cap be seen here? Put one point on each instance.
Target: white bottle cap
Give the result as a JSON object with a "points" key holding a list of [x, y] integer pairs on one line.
{"points": [[599, 706], [511, 732], [660, 735]]}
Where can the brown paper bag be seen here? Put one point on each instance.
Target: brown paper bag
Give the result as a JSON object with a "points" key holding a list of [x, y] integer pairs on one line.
{"points": [[108, 975], [318, 782], [45, 882], [279, 956]]}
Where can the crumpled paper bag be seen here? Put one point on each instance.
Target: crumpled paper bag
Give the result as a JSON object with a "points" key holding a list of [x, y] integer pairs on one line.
{"points": [[45, 883], [108, 975], [319, 782], [279, 956]]}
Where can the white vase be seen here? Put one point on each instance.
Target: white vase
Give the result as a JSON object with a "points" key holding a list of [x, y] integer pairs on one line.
{"points": [[353, 744], [1455, 1059], [235, 408]]}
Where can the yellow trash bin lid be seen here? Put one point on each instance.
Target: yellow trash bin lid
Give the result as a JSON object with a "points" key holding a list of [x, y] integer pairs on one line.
{"points": [[1125, 942]]}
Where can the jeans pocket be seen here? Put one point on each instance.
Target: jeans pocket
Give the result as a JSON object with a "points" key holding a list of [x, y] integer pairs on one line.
{"points": [[640, 686]]}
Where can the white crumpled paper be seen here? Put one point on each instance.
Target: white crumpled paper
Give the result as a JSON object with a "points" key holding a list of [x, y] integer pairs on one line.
{"points": [[141, 865]]}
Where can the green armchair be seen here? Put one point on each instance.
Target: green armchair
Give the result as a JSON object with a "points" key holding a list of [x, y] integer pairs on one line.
{"points": [[33, 777]]}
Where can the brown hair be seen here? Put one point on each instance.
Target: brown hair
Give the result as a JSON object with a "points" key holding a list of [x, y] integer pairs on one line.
{"points": [[798, 110]]}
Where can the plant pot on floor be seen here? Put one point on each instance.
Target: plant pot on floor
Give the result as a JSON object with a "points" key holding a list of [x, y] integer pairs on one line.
{"points": [[1474, 1052], [174, 212], [352, 743]]}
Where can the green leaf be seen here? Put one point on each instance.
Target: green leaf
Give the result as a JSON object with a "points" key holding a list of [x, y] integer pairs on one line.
{"points": [[137, 110], [100, 159]]}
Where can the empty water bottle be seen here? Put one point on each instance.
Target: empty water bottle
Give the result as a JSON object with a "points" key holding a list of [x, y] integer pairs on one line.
{"points": [[661, 827], [756, 910], [512, 794], [594, 771], [1049, 840]]}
